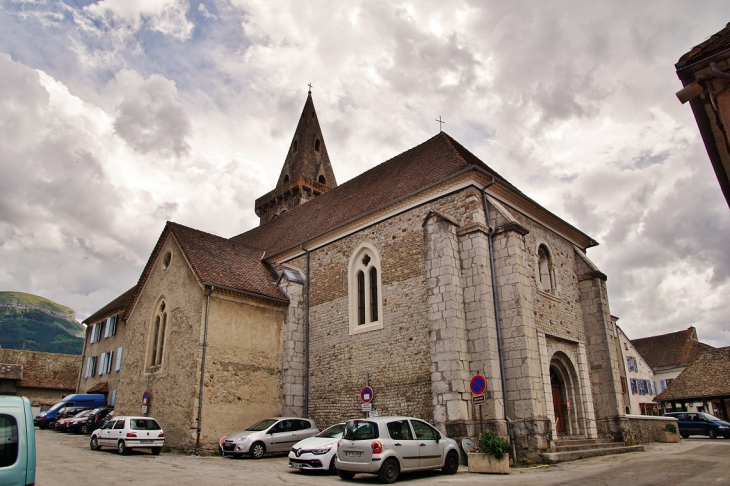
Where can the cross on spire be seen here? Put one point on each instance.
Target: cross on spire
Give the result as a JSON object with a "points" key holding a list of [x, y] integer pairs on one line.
{"points": [[310, 88], [441, 122]]}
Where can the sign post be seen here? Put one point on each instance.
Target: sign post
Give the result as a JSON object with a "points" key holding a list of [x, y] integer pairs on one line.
{"points": [[478, 385]]}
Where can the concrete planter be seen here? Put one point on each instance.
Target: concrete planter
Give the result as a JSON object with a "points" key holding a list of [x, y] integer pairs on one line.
{"points": [[480, 463], [665, 436]]}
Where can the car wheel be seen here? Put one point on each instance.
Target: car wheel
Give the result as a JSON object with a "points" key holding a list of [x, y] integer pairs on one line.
{"points": [[94, 444], [156, 451], [84, 429], [257, 451], [333, 468], [451, 464], [122, 448], [345, 474], [712, 434], [51, 425], [389, 471]]}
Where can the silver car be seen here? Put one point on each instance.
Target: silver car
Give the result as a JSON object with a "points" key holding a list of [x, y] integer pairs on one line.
{"points": [[276, 434], [387, 446]]}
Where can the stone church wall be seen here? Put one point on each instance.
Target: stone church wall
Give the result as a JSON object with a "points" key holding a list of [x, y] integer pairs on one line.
{"points": [[174, 387]]}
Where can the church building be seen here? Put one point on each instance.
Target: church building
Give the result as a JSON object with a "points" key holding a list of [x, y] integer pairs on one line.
{"points": [[412, 278]]}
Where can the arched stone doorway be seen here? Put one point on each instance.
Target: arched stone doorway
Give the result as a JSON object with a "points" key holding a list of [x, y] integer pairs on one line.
{"points": [[566, 393]]}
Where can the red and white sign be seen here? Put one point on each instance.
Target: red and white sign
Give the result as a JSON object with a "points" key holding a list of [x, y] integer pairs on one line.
{"points": [[145, 398], [366, 394], [478, 384]]}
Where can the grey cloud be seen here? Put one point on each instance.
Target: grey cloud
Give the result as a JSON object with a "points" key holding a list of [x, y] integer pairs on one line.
{"points": [[166, 211], [152, 120]]}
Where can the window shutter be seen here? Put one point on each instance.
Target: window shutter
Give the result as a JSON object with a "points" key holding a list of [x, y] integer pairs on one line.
{"points": [[664, 384], [106, 327], [628, 362], [114, 325], [119, 359], [114, 397], [88, 366], [92, 334], [101, 363]]}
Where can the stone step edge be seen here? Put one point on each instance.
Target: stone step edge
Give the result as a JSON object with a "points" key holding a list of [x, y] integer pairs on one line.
{"points": [[584, 441], [587, 447], [554, 457]]}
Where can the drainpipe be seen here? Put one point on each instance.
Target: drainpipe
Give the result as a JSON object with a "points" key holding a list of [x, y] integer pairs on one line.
{"points": [[306, 338], [202, 369], [496, 317]]}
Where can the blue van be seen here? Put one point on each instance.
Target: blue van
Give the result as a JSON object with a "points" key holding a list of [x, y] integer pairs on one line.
{"points": [[699, 423], [17, 442], [86, 400]]}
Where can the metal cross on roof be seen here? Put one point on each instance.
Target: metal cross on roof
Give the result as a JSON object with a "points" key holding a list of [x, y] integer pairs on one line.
{"points": [[310, 87], [441, 122]]}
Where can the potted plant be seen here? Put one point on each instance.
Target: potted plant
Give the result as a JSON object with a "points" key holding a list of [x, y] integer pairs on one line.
{"points": [[669, 433], [491, 456]]}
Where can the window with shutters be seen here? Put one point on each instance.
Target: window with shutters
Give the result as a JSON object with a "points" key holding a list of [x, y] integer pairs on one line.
{"points": [[365, 293], [156, 346], [633, 386]]}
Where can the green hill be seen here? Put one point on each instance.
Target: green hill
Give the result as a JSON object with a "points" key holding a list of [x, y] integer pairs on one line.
{"points": [[38, 324]]}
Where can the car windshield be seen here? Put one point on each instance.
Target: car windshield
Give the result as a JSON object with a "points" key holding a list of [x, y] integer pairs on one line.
{"points": [[84, 413], [360, 430], [57, 406], [263, 425], [707, 416], [144, 424], [334, 432]]}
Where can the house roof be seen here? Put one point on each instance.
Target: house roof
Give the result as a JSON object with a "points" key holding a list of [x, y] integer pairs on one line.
{"points": [[715, 44], [707, 376], [431, 162], [11, 371], [101, 387], [672, 350], [116, 306], [44, 370], [217, 261]]}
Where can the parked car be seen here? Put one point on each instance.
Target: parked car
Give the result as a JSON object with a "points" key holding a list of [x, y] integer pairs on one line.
{"points": [[76, 423], [127, 433], [86, 400], [276, 434], [700, 423], [318, 452], [387, 446], [17, 442], [65, 415], [99, 417]]}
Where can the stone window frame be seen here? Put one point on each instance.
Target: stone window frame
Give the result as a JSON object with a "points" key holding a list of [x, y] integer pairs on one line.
{"points": [[354, 267], [157, 336], [546, 269]]}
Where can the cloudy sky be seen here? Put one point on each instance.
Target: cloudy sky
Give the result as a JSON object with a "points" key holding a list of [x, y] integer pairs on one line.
{"points": [[118, 115]]}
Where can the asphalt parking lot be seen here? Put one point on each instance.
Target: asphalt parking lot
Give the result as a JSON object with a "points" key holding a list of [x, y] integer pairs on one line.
{"points": [[64, 459]]}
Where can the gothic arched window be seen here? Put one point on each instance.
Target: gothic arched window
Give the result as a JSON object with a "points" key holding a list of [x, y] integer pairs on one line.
{"points": [[545, 271], [157, 338], [366, 306]]}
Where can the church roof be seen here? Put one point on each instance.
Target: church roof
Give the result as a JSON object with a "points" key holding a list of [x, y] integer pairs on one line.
{"points": [[707, 376], [671, 350], [220, 261], [427, 164], [117, 305]]}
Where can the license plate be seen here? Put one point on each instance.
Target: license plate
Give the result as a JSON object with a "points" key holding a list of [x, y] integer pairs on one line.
{"points": [[353, 453], [294, 465], [145, 441]]}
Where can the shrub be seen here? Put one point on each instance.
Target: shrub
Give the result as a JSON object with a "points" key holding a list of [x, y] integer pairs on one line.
{"points": [[671, 428], [490, 444]]}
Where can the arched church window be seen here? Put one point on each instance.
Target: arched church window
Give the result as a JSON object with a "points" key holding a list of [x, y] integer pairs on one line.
{"points": [[366, 306], [286, 178], [545, 269], [316, 145], [294, 147], [157, 339], [322, 180]]}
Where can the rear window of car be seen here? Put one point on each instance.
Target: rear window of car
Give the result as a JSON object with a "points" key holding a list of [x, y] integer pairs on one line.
{"points": [[361, 430], [8, 440], [144, 424]]}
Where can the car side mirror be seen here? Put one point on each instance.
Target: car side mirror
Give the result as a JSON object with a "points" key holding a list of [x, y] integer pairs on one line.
{"points": [[438, 437]]}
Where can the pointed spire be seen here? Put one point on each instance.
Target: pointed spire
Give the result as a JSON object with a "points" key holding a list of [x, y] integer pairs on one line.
{"points": [[307, 170]]}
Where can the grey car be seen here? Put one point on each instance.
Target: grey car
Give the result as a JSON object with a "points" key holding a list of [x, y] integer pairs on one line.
{"points": [[276, 434], [387, 446]]}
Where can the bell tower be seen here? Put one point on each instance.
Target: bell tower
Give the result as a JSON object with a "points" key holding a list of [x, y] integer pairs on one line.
{"points": [[307, 171]]}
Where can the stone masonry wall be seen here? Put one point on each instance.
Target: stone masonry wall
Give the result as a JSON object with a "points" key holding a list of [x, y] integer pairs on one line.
{"points": [[174, 388]]}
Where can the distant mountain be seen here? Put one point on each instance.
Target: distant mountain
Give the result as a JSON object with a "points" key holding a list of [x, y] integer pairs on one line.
{"points": [[32, 322]]}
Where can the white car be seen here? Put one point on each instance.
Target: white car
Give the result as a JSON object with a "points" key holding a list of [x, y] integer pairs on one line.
{"points": [[318, 452], [387, 446], [276, 434], [127, 433]]}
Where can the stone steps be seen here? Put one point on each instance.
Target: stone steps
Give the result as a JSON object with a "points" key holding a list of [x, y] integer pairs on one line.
{"points": [[575, 449]]}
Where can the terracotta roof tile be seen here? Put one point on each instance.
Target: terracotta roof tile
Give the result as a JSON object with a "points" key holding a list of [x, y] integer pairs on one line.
{"points": [[117, 305], [11, 371], [44, 370], [707, 376], [715, 44], [101, 387], [671, 350]]}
